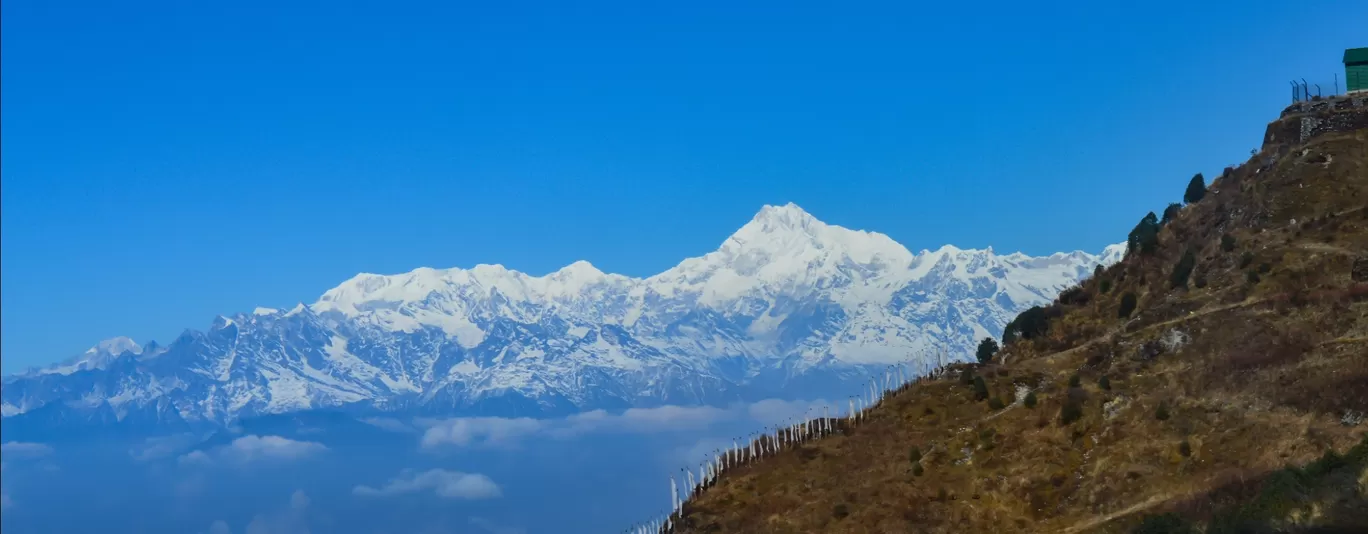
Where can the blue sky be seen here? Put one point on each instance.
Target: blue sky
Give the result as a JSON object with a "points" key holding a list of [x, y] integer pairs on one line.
{"points": [[164, 162]]}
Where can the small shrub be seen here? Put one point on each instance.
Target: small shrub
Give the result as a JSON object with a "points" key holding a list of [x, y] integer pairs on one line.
{"points": [[1199, 281], [1104, 286], [1183, 269], [980, 389], [916, 455], [1030, 400], [1069, 413], [841, 511], [1097, 271], [966, 376], [996, 403], [1127, 306], [1246, 258], [1185, 449], [1251, 277], [1264, 268], [1104, 383], [1075, 380], [917, 470], [1227, 243], [1162, 412]]}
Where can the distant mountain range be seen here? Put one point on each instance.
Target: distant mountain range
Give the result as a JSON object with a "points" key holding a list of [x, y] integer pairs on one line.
{"points": [[788, 306]]}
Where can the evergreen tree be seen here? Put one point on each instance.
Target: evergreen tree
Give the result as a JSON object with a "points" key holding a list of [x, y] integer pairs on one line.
{"points": [[1030, 400], [1030, 324], [1170, 213], [1196, 189], [1127, 306], [1183, 269], [980, 389], [1145, 236], [986, 349]]}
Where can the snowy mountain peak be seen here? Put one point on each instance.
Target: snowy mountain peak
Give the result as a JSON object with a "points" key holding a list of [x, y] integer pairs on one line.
{"points": [[96, 357], [580, 270], [785, 300], [788, 216], [115, 346]]}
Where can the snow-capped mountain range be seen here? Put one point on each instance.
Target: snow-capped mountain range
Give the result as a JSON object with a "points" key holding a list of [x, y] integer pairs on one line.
{"points": [[787, 306]]}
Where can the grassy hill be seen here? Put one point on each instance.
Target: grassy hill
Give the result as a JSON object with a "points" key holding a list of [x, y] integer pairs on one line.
{"points": [[1228, 399]]}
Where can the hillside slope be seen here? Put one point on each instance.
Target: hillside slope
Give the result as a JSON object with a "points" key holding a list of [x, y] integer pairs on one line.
{"points": [[1181, 413]]}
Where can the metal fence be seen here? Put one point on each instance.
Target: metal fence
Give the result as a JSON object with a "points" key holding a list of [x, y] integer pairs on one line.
{"points": [[1324, 86]]}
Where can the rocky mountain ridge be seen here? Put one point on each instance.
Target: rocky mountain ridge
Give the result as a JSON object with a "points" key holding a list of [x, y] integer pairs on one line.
{"points": [[786, 301]]}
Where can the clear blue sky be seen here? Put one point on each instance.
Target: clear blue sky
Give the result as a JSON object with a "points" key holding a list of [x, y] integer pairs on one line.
{"points": [[164, 162]]}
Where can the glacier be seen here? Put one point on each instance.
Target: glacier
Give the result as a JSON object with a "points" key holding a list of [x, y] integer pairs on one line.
{"points": [[787, 306]]}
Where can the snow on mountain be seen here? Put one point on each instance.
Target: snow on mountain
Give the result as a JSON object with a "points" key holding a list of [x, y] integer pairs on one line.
{"points": [[785, 303], [97, 357]]}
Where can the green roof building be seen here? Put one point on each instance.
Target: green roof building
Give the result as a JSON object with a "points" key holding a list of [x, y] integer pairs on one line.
{"points": [[1356, 70]]}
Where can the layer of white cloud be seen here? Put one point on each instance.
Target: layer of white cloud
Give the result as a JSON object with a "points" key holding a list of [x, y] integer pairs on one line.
{"points": [[250, 449], [20, 449], [159, 447], [496, 431], [443, 483], [466, 431]]}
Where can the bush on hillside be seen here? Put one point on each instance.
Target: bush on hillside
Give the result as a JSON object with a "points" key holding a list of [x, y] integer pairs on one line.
{"points": [[980, 389], [1104, 286], [1162, 412], [1196, 189], [996, 403], [1104, 383], [1030, 400], [1227, 243], [1170, 213], [916, 455], [1127, 306], [1070, 412], [1097, 271], [1075, 381], [1246, 259], [1183, 269]]}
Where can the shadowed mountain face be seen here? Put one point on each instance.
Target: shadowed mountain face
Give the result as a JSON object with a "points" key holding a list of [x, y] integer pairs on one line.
{"points": [[1214, 380], [785, 300]]}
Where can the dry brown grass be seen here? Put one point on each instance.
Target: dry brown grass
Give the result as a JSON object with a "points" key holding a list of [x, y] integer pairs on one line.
{"points": [[1258, 379]]}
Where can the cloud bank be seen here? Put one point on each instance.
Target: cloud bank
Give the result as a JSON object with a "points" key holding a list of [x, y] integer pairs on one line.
{"points": [[443, 483], [20, 449], [252, 449], [497, 431]]}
